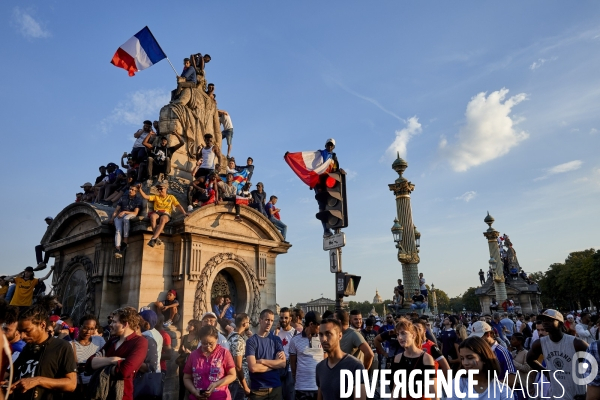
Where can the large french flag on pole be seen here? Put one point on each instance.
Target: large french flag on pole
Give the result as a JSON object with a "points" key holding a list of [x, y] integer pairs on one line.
{"points": [[309, 165], [139, 52]]}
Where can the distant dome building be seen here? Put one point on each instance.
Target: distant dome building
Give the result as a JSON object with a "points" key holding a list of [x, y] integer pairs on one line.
{"points": [[377, 299]]}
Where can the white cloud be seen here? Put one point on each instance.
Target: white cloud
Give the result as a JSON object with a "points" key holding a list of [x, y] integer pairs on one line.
{"points": [[489, 131], [27, 25], [467, 196], [593, 131], [537, 64], [139, 106], [403, 136], [561, 169], [350, 174]]}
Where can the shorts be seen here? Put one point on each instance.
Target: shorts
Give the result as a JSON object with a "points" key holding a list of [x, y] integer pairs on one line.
{"points": [[160, 214], [228, 135]]}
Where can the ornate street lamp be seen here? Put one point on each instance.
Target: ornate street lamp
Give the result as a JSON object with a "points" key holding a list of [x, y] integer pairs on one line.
{"points": [[397, 232], [417, 238]]}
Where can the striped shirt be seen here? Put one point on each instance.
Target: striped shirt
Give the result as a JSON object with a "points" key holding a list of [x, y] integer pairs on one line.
{"points": [[85, 352], [505, 359], [307, 358]]}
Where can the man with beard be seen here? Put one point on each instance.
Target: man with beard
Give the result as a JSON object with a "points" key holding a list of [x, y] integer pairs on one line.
{"points": [[11, 331], [329, 370], [265, 355], [558, 350], [286, 333], [305, 353], [124, 352], [46, 367], [353, 342]]}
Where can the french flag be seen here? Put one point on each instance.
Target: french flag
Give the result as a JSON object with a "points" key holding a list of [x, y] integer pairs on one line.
{"points": [[138, 53], [309, 165]]}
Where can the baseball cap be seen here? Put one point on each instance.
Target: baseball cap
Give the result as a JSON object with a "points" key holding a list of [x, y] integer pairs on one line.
{"points": [[112, 164], [173, 291], [312, 316], [150, 317], [330, 140], [84, 185], [480, 328], [209, 314], [48, 217], [553, 314], [164, 184], [54, 318], [570, 316]]}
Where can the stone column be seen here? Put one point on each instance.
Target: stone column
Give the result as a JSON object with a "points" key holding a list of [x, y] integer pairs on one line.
{"points": [[407, 253], [492, 237]]}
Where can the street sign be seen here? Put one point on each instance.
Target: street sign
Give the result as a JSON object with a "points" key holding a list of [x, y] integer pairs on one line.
{"points": [[334, 241], [334, 261]]}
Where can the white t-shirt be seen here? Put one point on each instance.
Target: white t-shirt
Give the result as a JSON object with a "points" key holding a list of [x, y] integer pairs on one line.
{"points": [[307, 358], [154, 334], [286, 337], [138, 142], [422, 283], [225, 121]]}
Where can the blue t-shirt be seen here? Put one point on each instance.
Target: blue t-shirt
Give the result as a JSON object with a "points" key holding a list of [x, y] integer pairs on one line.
{"points": [[264, 348], [217, 310], [128, 203], [17, 346], [498, 328], [268, 209], [230, 311]]}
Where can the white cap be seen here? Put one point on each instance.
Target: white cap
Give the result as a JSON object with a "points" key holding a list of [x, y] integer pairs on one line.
{"points": [[208, 314], [330, 140], [480, 328]]}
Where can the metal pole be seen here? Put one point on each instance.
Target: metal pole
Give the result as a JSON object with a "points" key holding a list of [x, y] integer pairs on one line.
{"points": [[338, 299], [174, 70]]}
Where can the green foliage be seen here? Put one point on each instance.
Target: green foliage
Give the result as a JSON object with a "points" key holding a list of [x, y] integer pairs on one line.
{"points": [[468, 300], [365, 307], [572, 284]]}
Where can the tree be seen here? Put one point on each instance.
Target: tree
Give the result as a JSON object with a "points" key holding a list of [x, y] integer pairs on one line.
{"points": [[471, 301], [443, 301]]}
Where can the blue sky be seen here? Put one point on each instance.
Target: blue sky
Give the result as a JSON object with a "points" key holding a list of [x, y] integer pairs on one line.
{"points": [[494, 106]]}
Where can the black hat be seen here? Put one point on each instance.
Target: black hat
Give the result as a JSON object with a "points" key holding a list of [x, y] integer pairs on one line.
{"points": [[312, 316], [29, 269]]}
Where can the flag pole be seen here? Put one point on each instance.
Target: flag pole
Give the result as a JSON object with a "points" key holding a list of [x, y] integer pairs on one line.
{"points": [[172, 66]]}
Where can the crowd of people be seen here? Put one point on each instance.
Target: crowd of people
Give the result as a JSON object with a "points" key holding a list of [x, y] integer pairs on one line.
{"points": [[292, 355]]}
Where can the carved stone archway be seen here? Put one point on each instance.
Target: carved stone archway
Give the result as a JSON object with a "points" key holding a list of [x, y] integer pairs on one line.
{"points": [[78, 262], [230, 261]]}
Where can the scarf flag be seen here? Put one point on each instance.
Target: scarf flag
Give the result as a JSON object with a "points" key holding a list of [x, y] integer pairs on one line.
{"points": [[239, 179], [309, 165], [140, 52]]}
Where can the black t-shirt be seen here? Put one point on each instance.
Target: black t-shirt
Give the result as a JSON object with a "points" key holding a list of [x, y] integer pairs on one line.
{"points": [[369, 337], [128, 203], [55, 360], [418, 297], [392, 338], [98, 179], [400, 288], [160, 154]]}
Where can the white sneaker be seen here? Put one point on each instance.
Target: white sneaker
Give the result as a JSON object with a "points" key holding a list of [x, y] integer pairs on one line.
{"points": [[190, 208]]}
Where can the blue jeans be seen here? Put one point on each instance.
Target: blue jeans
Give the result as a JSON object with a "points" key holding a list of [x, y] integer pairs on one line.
{"points": [[236, 390], [122, 228], [279, 225], [416, 306], [228, 135]]}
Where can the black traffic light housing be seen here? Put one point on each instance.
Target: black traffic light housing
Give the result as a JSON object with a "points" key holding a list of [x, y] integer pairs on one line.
{"points": [[346, 284], [331, 191]]}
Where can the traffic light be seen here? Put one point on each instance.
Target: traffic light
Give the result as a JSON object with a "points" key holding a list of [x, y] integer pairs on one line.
{"points": [[346, 284], [331, 193]]}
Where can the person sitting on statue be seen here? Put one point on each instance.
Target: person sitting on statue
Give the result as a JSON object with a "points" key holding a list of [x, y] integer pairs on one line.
{"points": [[138, 153], [169, 308], [227, 133], [249, 167], [188, 77], [273, 213], [127, 208], [418, 301], [210, 91], [259, 198], [493, 306], [199, 60], [198, 193], [231, 166], [400, 289], [163, 205], [88, 192], [159, 160], [227, 191], [210, 156]]}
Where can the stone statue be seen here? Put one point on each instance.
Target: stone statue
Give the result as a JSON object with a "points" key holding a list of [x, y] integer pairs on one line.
{"points": [[192, 113]]}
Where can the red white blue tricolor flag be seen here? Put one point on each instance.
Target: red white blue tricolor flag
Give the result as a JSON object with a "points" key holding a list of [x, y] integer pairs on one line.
{"points": [[139, 52], [309, 165]]}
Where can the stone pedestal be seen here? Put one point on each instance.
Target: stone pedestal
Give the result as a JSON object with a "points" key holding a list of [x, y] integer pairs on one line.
{"points": [[203, 256]]}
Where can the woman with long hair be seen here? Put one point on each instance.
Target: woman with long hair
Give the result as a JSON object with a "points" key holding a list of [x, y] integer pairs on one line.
{"points": [[189, 343], [476, 354], [209, 369], [414, 357]]}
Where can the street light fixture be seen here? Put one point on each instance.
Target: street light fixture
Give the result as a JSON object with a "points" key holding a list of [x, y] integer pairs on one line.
{"points": [[397, 232], [417, 238]]}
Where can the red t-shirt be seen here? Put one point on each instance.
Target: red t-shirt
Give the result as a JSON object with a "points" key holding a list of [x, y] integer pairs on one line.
{"points": [[166, 342], [205, 371]]}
